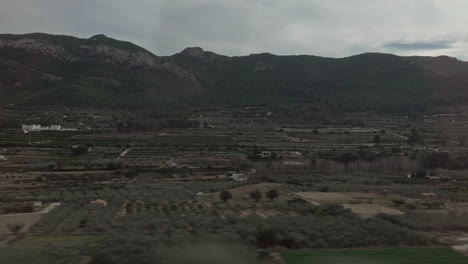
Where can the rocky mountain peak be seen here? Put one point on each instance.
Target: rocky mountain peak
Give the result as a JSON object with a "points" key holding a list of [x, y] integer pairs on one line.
{"points": [[193, 52], [38, 46], [200, 54], [98, 37]]}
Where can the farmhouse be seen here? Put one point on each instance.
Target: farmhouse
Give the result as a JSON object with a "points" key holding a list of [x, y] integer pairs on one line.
{"points": [[429, 195], [55, 127], [239, 177], [100, 202]]}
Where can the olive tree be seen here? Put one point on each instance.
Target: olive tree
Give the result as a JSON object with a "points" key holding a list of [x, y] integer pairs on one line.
{"points": [[256, 195], [225, 195]]}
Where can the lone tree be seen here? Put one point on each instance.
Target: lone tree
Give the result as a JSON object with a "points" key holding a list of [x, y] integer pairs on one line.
{"points": [[120, 127], [256, 195], [130, 126], [131, 173], [415, 137], [51, 166], [78, 150], [346, 158], [272, 194], [255, 151], [15, 227], [225, 195], [377, 139], [398, 202], [266, 238]]}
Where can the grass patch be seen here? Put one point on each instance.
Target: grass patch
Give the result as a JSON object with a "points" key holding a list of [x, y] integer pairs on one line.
{"points": [[25, 255], [43, 240], [377, 256], [31, 249]]}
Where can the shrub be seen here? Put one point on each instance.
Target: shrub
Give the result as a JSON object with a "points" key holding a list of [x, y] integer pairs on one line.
{"points": [[398, 202], [272, 194], [256, 195], [225, 195]]}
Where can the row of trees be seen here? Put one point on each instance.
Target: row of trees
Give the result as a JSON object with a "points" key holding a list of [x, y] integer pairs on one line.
{"points": [[148, 125], [345, 163], [254, 195]]}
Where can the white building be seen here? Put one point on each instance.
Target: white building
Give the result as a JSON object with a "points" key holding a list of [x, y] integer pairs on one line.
{"points": [[239, 177], [31, 127], [99, 202]]}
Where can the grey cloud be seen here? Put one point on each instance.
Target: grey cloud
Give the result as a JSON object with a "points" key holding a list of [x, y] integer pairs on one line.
{"points": [[334, 28], [420, 45]]}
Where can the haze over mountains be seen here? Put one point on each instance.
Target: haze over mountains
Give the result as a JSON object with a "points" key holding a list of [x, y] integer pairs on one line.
{"points": [[41, 69]]}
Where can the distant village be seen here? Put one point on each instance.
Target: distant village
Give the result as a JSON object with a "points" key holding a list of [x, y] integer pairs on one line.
{"points": [[35, 128]]}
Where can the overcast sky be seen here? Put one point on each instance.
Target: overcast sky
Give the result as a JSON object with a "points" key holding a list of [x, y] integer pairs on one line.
{"points": [[334, 28]]}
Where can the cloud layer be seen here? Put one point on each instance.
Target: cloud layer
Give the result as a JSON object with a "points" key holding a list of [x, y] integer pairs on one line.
{"points": [[334, 28], [419, 45]]}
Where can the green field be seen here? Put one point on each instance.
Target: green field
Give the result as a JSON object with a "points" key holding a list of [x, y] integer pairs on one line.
{"points": [[25, 255], [377, 256], [31, 249]]}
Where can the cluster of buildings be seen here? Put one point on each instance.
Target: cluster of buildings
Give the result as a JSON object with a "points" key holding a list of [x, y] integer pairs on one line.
{"points": [[33, 128]]}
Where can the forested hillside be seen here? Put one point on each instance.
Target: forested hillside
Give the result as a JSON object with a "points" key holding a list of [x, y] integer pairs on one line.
{"points": [[41, 69]]}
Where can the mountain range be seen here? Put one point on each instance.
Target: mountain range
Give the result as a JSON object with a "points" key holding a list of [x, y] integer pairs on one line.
{"points": [[42, 70]]}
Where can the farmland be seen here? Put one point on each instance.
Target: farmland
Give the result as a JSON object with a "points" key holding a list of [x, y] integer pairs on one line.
{"points": [[34, 248], [249, 178]]}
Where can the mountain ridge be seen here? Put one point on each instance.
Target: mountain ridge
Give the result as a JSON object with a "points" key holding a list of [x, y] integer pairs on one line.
{"points": [[101, 36], [58, 69]]}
